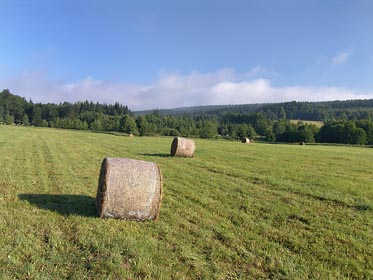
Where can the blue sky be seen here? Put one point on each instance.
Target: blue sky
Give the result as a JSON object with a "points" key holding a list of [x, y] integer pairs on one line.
{"points": [[163, 54]]}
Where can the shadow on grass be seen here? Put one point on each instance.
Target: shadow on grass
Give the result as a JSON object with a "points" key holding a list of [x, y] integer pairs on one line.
{"points": [[65, 204], [156, 155], [363, 207]]}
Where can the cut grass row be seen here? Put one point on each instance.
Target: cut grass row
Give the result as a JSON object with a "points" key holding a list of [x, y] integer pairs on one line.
{"points": [[234, 211]]}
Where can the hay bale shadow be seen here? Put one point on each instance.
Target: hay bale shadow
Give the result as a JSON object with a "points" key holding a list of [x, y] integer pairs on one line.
{"points": [[362, 207], [156, 155], [64, 204]]}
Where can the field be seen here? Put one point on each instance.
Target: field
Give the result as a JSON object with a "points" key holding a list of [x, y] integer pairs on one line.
{"points": [[234, 211], [315, 123]]}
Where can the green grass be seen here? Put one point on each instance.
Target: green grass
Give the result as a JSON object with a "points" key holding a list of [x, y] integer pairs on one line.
{"points": [[234, 211]]}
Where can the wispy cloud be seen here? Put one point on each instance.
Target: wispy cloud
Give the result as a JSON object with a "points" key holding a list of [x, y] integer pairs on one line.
{"points": [[340, 58], [175, 90]]}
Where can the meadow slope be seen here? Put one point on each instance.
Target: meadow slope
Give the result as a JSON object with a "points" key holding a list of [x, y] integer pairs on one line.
{"points": [[235, 211]]}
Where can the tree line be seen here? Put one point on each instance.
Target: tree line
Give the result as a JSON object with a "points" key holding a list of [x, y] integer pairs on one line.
{"points": [[226, 124], [312, 111]]}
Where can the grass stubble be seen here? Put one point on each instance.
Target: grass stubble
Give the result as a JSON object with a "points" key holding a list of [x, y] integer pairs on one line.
{"points": [[234, 211]]}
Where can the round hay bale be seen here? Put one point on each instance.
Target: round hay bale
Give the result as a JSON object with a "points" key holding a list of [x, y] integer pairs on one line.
{"points": [[182, 147], [129, 189], [131, 135], [302, 144], [246, 140]]}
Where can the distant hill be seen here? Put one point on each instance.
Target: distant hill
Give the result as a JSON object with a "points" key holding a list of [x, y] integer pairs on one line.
{"points": [[201, 109], [16, 109], [313, 111]]}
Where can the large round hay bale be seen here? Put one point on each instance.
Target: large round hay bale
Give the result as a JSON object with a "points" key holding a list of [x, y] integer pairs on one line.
{"points": [[129, 189], [246, 140], [182, 147]]}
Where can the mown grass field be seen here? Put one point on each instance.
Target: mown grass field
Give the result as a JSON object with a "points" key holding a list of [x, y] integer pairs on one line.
{"points": [[315, 123], [235, 211]]}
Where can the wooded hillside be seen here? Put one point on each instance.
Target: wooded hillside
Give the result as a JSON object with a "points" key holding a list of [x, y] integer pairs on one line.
{"points": [[348, 122]]}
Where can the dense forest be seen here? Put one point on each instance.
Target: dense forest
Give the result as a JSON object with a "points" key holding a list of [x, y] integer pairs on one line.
{"points": [[311, 111], [348, 122]]}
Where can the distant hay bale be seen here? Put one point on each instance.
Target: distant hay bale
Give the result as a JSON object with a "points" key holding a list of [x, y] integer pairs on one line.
{"points": [[182, 147], [302, 143], [131, 135], [246, 140], [129, 189]]}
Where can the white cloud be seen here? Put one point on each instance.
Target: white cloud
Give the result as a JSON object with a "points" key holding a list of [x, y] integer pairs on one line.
{"points": [[175, 90], [340, 58]]}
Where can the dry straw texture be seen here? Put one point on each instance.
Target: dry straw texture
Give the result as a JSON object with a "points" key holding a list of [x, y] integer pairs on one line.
{"points": [[182, 147], [246, 140], [129, 189]]}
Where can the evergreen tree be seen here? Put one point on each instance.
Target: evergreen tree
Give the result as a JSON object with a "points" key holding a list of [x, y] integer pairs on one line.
{"points": [[270, 136], [44, 123], [305, 134], [2, 112], [282, 113], [129, 124], [36, 115], [96, 125], [25, 120], [209, 130], [9, 119], [142, 125], [251, 133], [84, 125], [241, 130]]}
